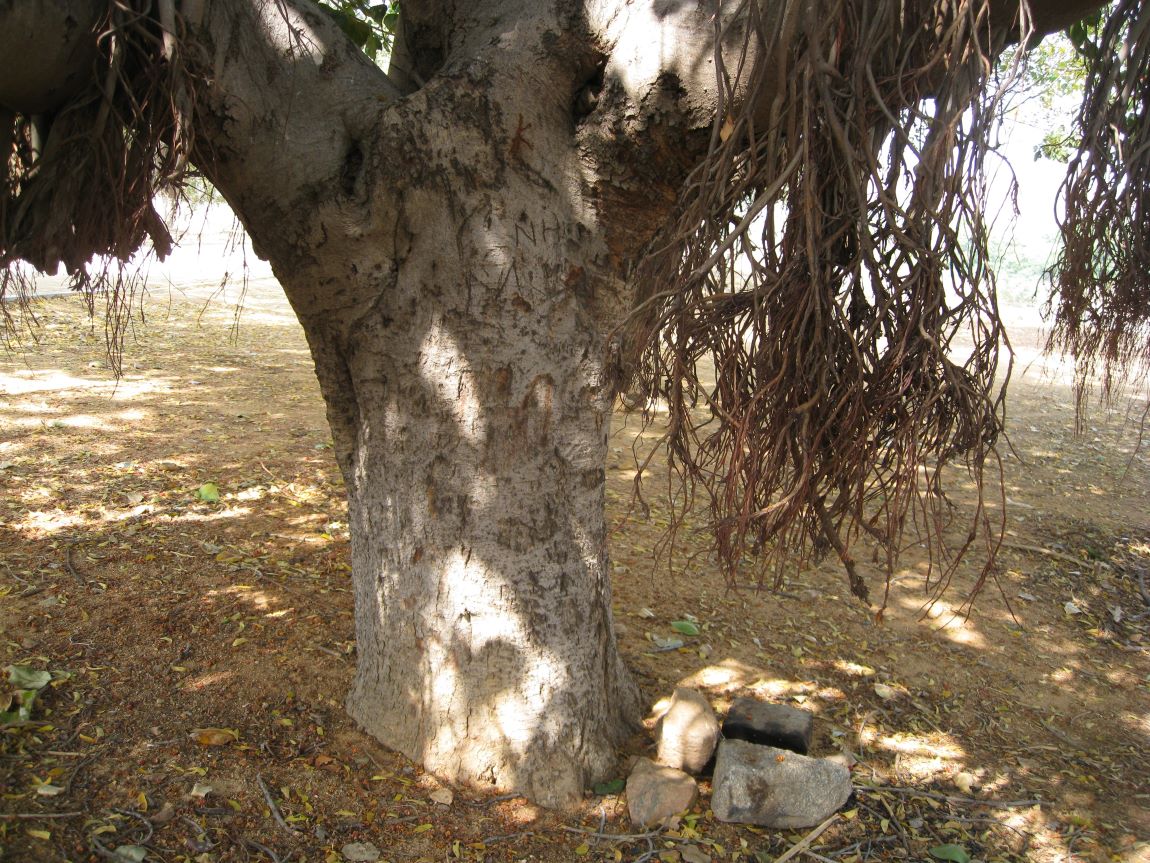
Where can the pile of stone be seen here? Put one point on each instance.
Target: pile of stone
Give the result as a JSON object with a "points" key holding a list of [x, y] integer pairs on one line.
{"points": [[758, 758]]}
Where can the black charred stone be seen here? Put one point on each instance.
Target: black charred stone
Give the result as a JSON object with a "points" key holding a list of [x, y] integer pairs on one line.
{"points": [[768, 724]]}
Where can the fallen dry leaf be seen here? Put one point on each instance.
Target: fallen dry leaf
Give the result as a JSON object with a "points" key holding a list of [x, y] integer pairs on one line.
{"points": [[215, 736]]}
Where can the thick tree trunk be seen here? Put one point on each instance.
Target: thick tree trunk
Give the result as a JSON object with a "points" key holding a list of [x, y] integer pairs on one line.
{"points": [[484, 634], [472, 407], [456, 299]]}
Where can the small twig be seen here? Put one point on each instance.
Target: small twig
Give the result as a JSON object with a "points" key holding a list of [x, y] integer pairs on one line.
{"points": [[894, 821], [33, 816], [109, 854], [202, 842], [986, 819], [803, 843], [103, 850], [1049, 552], [488, 802], [84, 762], [1143, 592], [860, 743], [214, 811], [1065, 738], [614, 837], [272, 805], [851, 849], [505, 836], [131, 813], [949, 798], [68, 563], [251, 843]]}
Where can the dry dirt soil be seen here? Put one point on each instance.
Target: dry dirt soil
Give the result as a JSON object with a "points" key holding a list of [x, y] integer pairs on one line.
{"points": [[200, 650]]}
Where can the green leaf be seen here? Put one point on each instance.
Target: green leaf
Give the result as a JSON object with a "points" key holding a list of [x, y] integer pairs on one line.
{"points": [[685, 627], [26, 677], [209, 492], [612, 787], [954, 853], [26, 682]]}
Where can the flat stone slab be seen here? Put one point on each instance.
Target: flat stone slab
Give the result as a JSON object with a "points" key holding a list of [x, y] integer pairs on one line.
{"points": [[775, 787], [656, 793], [770, 724], [688, 732]]}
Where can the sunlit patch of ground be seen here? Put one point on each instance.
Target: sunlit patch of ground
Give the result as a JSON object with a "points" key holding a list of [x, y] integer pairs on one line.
{"points": [[1021, 732]]}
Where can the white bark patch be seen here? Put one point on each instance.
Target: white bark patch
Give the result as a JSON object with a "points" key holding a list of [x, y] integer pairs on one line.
{"points": [[447, 373], [488, 631]]}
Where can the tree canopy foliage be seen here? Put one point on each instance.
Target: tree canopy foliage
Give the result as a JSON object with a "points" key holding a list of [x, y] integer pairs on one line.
{"points": [[369, 24]]}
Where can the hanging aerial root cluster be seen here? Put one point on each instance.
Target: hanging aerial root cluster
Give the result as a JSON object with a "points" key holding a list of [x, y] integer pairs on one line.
{"points": [[83, 162], [820, 320], [1101, 279]]}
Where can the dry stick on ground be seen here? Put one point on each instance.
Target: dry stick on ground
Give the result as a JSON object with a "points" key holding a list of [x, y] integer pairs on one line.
{"points": [[1141, 574], [805, 842], [1063, 736], [33, 816], [993, 822], [868, 842], [251, 843], [899, 830], [70, 566], [115, 855], [949, 798], [1049, 552], [272, 805], [203, 843], [614, 837], [504, 837]]}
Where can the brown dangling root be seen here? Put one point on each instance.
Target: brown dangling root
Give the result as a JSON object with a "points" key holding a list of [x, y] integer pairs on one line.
{"points": [[836, 304], [79, 185], [1101, 279]]}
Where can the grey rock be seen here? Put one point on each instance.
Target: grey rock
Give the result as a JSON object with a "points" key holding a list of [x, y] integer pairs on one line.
{"points": [[360, 852], [656, 793], [770, 724], [688, 732], [775, 787]]}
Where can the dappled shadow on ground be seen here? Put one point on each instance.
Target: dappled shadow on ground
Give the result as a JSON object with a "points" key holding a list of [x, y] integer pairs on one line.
{"points": [[1040, 694], [1021, 732]]}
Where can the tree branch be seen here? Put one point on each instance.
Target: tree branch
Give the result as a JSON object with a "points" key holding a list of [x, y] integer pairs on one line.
{"points": [[286, 98]]}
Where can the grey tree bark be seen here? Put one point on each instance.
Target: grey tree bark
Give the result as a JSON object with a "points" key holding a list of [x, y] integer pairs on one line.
{"points": [[458, 255]]}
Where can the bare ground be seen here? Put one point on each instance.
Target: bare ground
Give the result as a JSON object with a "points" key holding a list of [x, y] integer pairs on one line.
{"points": [[201, 650]]}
